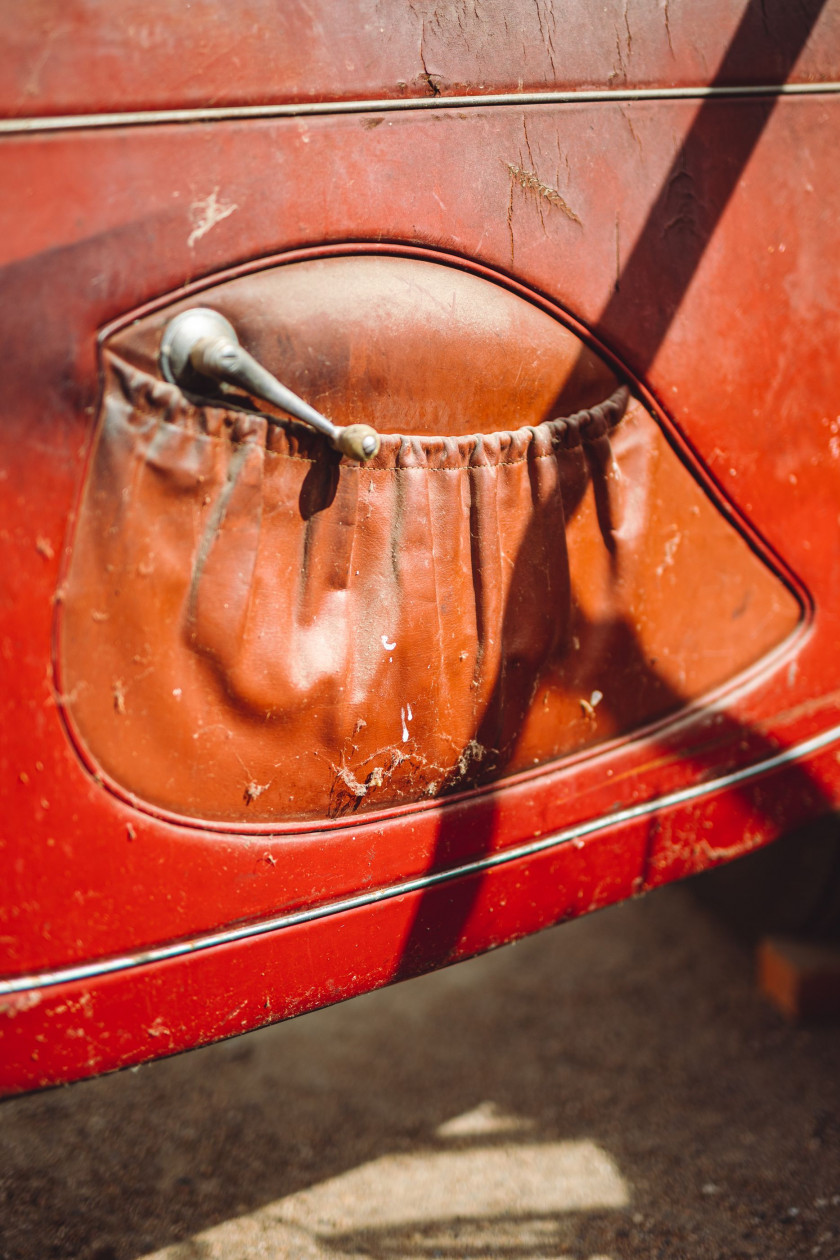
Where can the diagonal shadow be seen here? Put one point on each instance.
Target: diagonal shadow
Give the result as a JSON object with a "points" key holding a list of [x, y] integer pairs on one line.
{"points": [[686, 223]]}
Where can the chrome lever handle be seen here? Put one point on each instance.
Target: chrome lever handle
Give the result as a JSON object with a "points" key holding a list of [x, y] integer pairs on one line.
{"points": [[202, 343]]}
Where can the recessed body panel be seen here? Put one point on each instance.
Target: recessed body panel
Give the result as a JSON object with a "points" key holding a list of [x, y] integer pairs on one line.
{"points": [[257, 629]]}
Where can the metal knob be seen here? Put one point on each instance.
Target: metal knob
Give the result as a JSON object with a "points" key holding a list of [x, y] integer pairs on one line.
{"points": [[202, 343]]}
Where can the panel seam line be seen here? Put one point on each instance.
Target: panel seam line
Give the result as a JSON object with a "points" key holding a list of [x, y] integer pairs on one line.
{"points": [[229, 936], [239, 113]]}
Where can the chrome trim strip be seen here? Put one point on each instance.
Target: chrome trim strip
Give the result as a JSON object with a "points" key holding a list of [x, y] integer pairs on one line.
{"points": [[236, 113], [228, 936]]}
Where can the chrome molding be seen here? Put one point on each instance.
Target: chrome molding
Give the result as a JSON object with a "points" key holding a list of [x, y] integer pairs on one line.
{"points": [[239, 113], [228, 936]]}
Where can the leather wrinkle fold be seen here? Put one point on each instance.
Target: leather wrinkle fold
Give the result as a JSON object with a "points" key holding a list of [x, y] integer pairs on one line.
{"points": [[256, 628], [377, 620]]}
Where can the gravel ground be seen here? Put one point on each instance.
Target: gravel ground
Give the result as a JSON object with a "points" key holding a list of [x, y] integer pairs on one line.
{"points": [[613, 1088]]}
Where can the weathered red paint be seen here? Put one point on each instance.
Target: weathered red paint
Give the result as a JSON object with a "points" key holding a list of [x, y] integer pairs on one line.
{"points": [[73, 58], [736, 354]]}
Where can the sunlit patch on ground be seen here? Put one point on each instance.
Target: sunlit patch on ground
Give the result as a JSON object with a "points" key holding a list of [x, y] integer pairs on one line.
{"points": [[491, 1191], [625, 1055]]}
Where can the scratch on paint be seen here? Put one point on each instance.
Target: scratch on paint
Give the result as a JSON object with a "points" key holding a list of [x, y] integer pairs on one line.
{"points": [[531, 182], [617, 284], [668, 26], [206, 213], [15, 1003]]}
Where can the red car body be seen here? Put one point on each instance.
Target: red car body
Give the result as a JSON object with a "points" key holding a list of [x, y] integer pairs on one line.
{"points": [[660, 183]]}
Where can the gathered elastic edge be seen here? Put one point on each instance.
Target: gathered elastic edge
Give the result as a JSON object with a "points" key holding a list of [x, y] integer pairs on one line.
{"points": [[158, 399]]}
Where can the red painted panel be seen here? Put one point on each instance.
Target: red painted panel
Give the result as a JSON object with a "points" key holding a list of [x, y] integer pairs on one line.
{"points": [[77, 1029], [745, 371], [71, 57]]}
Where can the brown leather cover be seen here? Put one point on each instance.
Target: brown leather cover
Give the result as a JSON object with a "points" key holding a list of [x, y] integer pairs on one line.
{"points": [[254, 629]]}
